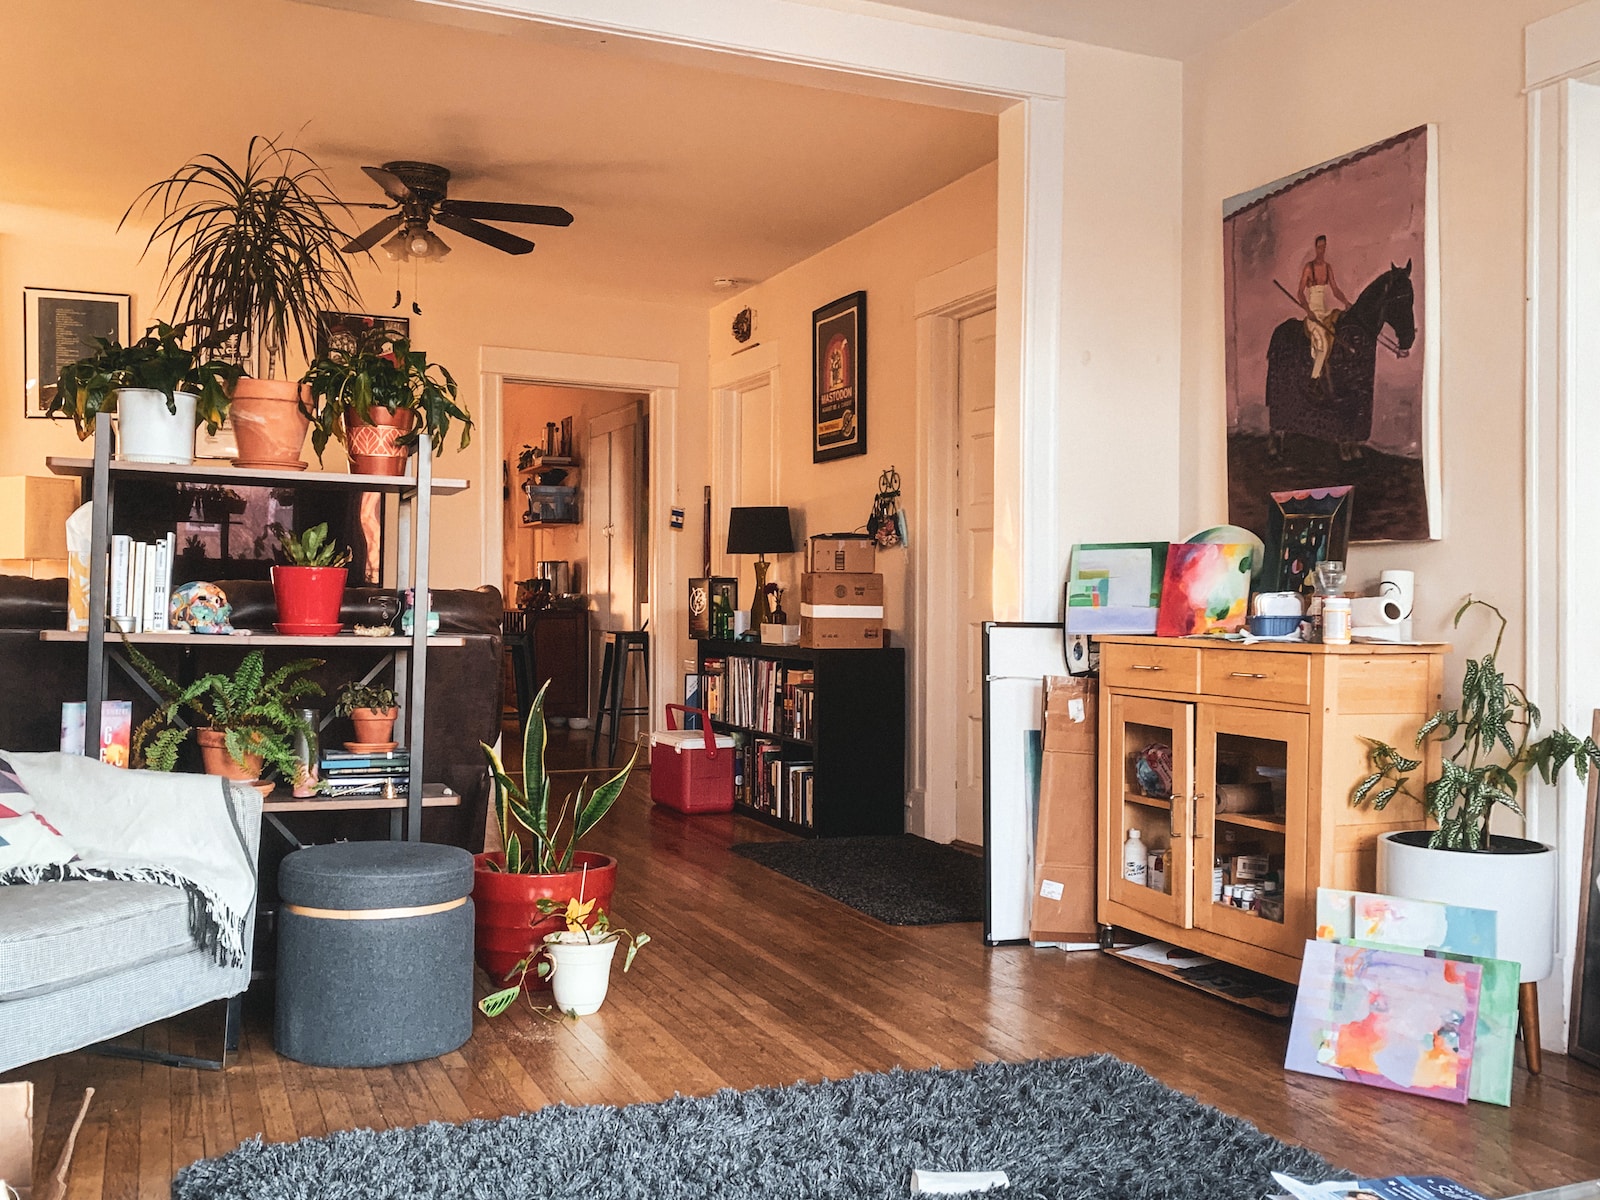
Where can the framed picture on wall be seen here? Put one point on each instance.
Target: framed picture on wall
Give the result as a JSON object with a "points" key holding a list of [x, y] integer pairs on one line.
{"points": [[839, 379], [58, 328], [343, 331]]}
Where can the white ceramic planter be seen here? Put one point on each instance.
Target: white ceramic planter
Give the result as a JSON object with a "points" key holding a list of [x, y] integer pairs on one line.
{"points": [[581, 971], [147, 432], [1520, 887]]}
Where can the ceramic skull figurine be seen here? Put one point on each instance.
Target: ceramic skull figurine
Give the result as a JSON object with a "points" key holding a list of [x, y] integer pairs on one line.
{"points": [[201, 608]]}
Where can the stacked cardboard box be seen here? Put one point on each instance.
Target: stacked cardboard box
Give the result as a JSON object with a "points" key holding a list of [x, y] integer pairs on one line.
{"points": [[1064, 850], [841, 597]]}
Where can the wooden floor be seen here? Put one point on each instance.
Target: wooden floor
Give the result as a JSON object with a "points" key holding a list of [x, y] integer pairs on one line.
{"points": [[755, 980]]}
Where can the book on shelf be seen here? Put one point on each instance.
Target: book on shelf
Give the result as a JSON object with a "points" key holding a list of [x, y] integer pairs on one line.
{"points": [[139, 584], [378, 770]]}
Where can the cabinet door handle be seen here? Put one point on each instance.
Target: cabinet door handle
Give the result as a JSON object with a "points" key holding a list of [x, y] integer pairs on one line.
{"points": [[1146, 667], [1249, 674]]}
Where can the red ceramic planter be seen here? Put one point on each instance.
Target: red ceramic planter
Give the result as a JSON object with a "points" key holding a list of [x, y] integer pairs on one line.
{"points": [[308, 598], [509, 923]]}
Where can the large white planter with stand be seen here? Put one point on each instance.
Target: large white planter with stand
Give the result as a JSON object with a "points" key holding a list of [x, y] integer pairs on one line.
{"points": [[147, 432], [580, 971], [1515, 878]]}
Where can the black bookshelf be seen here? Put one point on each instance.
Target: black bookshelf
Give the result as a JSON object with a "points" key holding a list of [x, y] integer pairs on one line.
{"points": [[857, 748]]}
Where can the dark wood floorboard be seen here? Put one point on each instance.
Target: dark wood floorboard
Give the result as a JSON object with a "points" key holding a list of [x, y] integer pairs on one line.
{"points": [[753, 980]]}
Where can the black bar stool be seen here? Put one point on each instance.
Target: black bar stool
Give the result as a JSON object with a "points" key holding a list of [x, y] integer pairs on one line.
{"points": [[621, 646], [518, 640]]}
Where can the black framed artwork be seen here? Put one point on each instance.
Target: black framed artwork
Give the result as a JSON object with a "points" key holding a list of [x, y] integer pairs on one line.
{"points": [[1583, 1037], [839, 379], [58, 328], [343, 331]]}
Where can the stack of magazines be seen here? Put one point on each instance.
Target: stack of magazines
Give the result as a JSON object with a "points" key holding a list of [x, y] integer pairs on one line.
{"points": [[358, 773]]}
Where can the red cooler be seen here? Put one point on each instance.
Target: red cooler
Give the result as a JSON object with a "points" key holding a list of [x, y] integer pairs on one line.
{"points": [[691, 770]]}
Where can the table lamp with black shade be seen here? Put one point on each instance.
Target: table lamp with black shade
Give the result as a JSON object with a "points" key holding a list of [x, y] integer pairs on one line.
{"points": [[760, 531]]}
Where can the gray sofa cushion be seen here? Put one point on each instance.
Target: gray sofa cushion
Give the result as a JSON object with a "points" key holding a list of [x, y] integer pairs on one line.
{"points": [[361, 875], [55, 935]]}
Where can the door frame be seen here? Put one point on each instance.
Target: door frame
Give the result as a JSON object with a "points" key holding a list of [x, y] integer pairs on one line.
{"points": [[941, 302], [659, 381], [730, 378]]}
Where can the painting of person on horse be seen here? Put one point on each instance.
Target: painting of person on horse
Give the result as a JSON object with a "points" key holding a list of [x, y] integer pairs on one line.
{"points": [[1325, 389]]}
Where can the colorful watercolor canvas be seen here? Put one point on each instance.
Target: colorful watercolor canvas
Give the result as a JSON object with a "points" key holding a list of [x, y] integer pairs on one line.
{"points": [[1114, 587], [1205, 589], [1424, 925], [1336, 914], [1386, 1018]]}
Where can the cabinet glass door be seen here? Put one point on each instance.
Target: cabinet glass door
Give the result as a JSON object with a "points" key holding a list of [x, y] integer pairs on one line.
{"points": [[1250, 826], [1152, 745]]}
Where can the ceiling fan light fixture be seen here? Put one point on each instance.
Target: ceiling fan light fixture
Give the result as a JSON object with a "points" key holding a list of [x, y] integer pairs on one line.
{"points": [[416, 242]]}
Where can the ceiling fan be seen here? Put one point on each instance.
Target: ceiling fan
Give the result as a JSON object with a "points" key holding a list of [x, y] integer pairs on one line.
{"points": [[420, 194]]}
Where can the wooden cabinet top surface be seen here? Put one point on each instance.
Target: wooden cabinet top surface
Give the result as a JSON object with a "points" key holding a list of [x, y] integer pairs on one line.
{"points": [[1208, 643]]}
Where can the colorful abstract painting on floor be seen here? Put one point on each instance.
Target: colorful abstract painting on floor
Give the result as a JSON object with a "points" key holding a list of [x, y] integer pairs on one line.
{"points": [[1204, 589], [1387, 1018]]}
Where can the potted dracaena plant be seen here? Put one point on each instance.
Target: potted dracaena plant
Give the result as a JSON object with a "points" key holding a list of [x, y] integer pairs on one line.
{"points": [[254, 249], [159, 390], [372, 709], [377, 396], [242, 721], [576, 960], [309, 588], [1487, 747], [539, 857]]}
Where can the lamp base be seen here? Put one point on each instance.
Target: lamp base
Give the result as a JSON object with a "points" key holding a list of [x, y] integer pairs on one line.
{"points": [[760, 610]]}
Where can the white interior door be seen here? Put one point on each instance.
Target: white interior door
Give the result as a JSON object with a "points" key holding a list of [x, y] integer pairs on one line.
{"points": [[975, 557], [611, 481]]}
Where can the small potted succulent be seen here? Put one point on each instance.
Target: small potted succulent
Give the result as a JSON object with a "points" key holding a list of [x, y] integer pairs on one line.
{"points": [[509, 883], [374, 396], [372, 709], [575, 960], [242, 722], [309, 588], [159, 390]]}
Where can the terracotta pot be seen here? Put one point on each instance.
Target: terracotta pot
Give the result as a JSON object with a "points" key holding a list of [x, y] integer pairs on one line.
{"points": [[508, 921], [374, 444], [269, 423], [374, 725], [214, 754], [308, 598]]}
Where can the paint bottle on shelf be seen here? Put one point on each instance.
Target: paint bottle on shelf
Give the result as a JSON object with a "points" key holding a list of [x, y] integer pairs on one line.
{"points": [[1219, 876], [1336, 620], [1135, 858], [1156, 873]]}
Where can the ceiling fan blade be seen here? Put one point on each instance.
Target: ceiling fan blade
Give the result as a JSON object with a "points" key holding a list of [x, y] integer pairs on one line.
{"points": [[492, 210], [488, 234], [389, 182], [376, 234]]}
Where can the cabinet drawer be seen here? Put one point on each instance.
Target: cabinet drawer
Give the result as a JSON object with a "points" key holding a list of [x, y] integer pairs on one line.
{"points": [[1256, 675], [1161, 668]]}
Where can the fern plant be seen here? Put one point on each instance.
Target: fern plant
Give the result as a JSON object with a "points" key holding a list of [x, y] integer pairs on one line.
{"points": [[1493, 728], [554, 837], [313, 548], [254, 711]]}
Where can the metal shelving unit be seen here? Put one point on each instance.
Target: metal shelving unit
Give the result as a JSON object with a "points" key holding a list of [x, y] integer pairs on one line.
{"points": [[415, 495]]}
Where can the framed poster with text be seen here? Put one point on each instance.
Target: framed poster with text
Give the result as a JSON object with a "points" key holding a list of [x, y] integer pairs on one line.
{"points": [[59, 328], [839, 379]]}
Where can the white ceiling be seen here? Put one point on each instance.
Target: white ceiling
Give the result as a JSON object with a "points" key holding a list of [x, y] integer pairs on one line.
{"points": [[675, 174], [1165, 28]]}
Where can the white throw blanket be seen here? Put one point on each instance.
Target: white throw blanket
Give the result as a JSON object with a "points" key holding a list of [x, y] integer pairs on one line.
{"points": [[148, 827]]}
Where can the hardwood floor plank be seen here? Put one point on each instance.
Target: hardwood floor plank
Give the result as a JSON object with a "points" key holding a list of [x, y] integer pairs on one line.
{"points": [[754, 980]]}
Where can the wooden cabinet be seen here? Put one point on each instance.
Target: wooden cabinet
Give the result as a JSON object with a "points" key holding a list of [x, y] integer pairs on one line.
{"points": [[1266, 742]]}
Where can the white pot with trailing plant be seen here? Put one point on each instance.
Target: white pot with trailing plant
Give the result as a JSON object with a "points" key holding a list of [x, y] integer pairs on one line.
{"points": [[1487, 747], [576, 960]]}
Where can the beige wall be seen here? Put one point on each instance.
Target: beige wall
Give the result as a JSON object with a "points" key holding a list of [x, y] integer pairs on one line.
{"points": [[1312, 82], [885, 260]]}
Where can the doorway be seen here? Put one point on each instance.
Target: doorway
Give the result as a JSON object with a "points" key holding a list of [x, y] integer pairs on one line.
{"points": [[575, 531], [974, 520]]}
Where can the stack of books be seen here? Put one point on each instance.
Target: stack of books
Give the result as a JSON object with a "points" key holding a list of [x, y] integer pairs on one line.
{"points": [[139, 585], [354, 773]]}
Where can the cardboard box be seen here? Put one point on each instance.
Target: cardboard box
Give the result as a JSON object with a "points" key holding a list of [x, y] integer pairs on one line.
{"points": [[841, 633], [851, 553], [1066, 847], [838, 588]]}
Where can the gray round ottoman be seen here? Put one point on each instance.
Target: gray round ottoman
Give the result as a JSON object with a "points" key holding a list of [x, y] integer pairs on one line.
{"points": [[374, 953]]}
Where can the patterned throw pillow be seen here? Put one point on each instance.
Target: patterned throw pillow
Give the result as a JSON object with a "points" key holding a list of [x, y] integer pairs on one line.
{"points": [[26, 838]]}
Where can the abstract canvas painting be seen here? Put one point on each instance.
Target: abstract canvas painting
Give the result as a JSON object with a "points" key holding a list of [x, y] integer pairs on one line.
{"points": [[1115, 587], [1387, 1018], [1305, 528], [1330, 288], [1204, 589], [1425, 925]]}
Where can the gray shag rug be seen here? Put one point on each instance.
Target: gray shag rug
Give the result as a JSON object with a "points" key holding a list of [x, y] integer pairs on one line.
{"points": [[1068, 1129], [898, 879]]}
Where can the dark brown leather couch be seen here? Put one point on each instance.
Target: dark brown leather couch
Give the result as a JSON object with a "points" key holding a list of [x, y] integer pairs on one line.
{"points": [[463, 692]]}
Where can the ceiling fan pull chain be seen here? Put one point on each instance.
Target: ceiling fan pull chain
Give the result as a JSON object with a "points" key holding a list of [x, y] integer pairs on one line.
{"points": [[416, 288]]}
